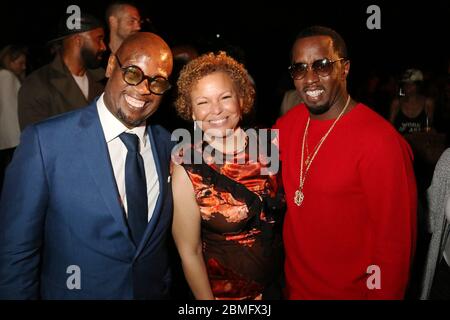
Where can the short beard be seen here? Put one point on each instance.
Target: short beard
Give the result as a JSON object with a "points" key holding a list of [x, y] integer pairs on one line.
{"points": [[90, 59], [318, 110], [130, 124]]}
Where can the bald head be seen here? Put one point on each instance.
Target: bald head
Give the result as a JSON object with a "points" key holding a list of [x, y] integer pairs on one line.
{"points": [[147, 44], [149, 57]]}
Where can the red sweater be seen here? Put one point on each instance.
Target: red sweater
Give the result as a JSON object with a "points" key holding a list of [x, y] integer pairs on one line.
{"points": [[359, 208]]}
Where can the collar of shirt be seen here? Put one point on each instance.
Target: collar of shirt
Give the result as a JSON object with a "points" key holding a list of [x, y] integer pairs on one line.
{"points": [[112, 127]]}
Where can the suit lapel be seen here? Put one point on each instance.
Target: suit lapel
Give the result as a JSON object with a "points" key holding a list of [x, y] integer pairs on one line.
{"points": [[94, 149], [95, 86], [66, 85], [159, 156]]}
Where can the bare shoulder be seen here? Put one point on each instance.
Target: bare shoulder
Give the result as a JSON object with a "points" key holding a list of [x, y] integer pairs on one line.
{"points": [[179, 176]]}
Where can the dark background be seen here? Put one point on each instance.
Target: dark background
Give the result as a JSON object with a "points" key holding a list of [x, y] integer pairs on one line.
{"points": [[413, 34]]}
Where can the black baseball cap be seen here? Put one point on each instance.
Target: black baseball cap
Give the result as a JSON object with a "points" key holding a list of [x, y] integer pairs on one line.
{"points": [[68, 25]]}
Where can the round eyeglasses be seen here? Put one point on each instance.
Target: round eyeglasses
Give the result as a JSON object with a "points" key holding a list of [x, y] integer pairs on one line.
{"points": [[321, 67], [133, 75]]}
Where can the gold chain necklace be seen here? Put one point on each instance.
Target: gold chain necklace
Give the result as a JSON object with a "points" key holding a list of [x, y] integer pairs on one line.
{"points": [[308, 155], [299, 196]]}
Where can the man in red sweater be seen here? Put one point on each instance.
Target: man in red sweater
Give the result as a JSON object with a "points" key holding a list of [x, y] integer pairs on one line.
{"points": [[350, 227]]}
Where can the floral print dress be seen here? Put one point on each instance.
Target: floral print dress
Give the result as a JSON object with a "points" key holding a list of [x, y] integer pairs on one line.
{"points": [[241, 212]]}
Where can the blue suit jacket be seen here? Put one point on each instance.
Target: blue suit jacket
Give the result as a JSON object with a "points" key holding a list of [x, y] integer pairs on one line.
{"points": [[61, 220]]}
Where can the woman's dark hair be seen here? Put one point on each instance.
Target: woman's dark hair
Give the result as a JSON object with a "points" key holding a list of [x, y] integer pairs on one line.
{"points": [[10, 53]]}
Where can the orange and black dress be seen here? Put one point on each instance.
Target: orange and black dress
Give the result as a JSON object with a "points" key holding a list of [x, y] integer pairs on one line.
{"points": [[241, 211]]}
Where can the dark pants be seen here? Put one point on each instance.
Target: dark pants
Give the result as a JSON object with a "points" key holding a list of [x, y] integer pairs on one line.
{"points": [[441, 283]]}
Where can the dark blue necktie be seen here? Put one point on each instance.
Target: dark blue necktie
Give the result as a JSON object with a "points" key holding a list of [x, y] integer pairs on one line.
{"points": [[136, 187]]}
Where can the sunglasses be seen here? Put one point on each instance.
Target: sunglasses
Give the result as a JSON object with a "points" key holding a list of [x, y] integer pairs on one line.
{"points": [[321, 67], [133, 75]]}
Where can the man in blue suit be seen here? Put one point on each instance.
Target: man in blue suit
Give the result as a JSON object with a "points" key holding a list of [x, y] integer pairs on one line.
{"points": [[67, 213]]}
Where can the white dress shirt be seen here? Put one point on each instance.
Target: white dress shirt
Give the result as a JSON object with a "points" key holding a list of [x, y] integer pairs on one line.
{"points": [[112, 128]]}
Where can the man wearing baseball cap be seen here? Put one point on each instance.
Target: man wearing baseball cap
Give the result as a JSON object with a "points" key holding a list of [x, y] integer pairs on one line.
{"points": [[73, 79]]}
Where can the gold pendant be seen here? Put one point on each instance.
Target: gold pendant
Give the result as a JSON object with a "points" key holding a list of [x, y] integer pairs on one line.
{"points": [[298, 199]]}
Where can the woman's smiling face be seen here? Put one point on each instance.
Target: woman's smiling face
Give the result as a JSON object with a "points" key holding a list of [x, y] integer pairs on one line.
{"points": [[216, 105]]}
